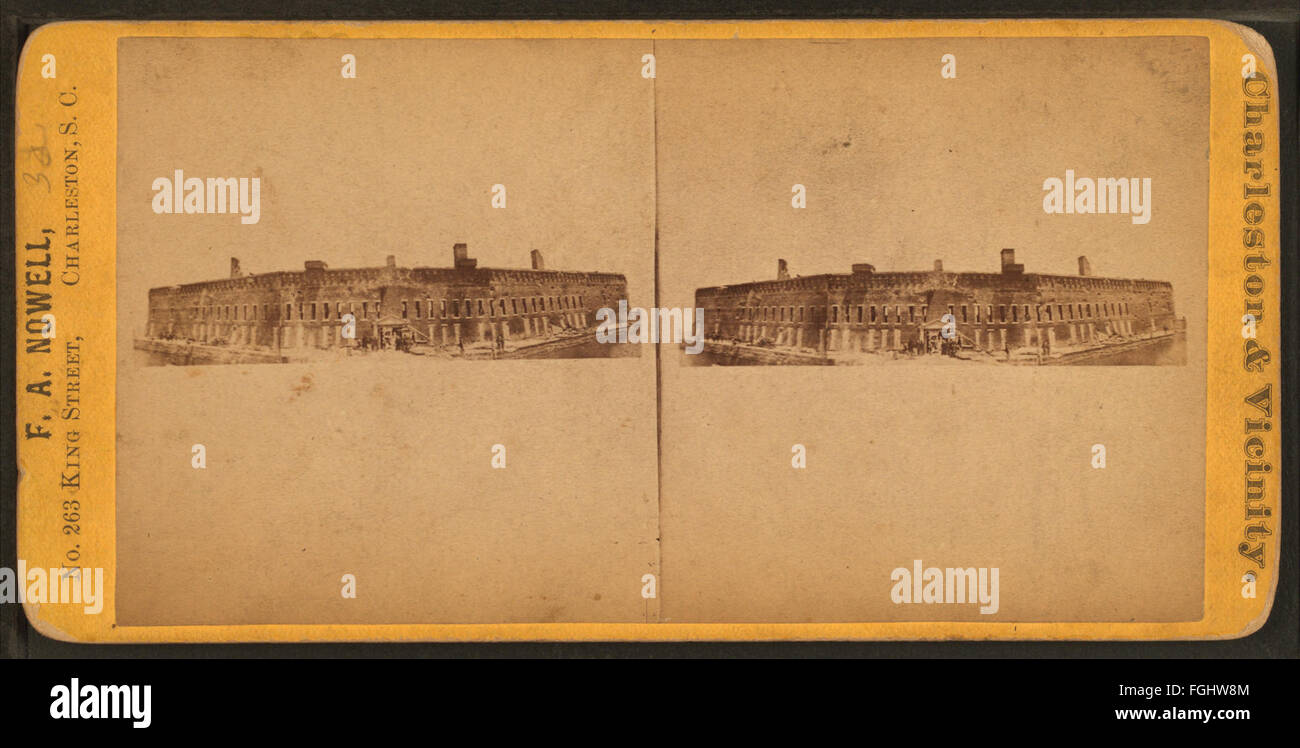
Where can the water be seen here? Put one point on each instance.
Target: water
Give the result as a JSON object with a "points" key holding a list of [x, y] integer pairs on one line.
{"points": [[1171, 351], [594, 349], [704, 358], [587, 349], [147, 358]]}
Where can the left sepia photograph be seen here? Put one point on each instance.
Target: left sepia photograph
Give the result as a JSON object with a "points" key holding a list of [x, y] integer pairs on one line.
{"points": [[320, 313], [419, 235]]}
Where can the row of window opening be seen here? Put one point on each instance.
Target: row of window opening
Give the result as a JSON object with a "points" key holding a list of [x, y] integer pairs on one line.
{"points": [[419, 309], [982, 312]]}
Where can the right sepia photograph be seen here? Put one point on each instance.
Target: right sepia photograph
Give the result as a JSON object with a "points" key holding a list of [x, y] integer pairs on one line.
{"points": [[872, 316], [1004, 202], [953, 298]]}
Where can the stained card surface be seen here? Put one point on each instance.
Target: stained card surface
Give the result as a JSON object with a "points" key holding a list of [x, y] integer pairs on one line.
{"points": [[648, 331]]}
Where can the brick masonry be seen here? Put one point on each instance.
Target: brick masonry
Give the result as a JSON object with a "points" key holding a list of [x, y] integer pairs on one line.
{"points": [[866, 310], [421, 305]]}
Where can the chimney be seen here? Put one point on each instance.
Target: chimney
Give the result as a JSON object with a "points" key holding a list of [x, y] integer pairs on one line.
{"points": [[461, 258], [235, 272], [315, 271], [1085, 267], [863, 268], [391, 261], [538, 262], [1009, 264], [782, 270], [938, 266]]}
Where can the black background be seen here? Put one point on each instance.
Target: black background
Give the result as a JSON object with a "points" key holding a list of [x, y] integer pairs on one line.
{"points": [[343, 685]]}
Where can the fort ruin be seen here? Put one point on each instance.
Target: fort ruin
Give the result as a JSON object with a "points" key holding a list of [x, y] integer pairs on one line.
{"points": [[866, 310], [392, 306]]}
